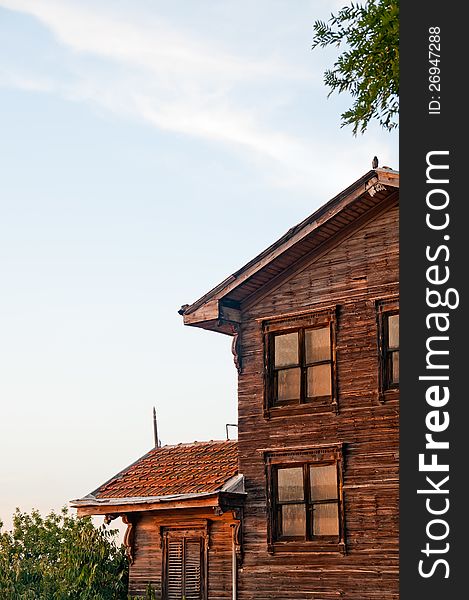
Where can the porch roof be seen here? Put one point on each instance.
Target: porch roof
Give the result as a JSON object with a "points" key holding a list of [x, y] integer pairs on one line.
{"points": [[172, 473]]}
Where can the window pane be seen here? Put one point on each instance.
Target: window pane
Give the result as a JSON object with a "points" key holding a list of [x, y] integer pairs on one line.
{"points": [[319, 381], [288, 384], [393, 331], [326, 519], [395, 367], [286, 349], [323, 481], [293, 520], [318, 344], [290, 484]]}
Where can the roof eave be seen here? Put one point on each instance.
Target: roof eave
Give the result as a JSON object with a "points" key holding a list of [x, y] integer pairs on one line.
{"points": [[233, 487], [211, 312], [209, 500], [91, 500]]}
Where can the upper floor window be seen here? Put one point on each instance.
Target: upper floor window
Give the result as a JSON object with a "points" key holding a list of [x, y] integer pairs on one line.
{"points": [[388, 333], [300, 360], [306, 499], [392, 349]]}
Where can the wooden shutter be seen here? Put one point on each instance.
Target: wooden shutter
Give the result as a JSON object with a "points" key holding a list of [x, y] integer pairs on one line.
{"points": [[192, 570], [184, 568], [174, 571]]}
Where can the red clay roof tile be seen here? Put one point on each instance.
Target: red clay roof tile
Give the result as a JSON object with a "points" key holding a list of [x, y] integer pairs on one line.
{"points": [[200, 467]]}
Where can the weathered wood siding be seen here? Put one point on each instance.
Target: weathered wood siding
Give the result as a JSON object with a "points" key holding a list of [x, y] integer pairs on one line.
{"points": [[148, 554], [147, 567], [360, 270]]}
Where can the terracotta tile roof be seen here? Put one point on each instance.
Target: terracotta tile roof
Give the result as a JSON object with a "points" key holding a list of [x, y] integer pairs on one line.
{"points": [[200, 467]]}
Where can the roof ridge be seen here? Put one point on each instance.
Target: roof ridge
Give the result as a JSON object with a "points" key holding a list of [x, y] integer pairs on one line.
{"points": [[194, 443]]}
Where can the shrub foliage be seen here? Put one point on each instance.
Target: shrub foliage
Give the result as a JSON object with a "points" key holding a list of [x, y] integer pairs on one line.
{"points": [[60, 557]]}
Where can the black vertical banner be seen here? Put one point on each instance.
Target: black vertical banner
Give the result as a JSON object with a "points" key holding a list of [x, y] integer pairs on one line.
{"points": [[434, 269]]}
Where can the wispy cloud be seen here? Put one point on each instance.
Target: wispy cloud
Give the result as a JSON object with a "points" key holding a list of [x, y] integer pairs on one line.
{"points": [[177, 82], [154, 45]]}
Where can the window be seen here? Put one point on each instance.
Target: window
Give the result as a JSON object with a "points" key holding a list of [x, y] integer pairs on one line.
{"points": [[183, 565], [306, 507], [392, 349], [300, 360], [388, 334]]}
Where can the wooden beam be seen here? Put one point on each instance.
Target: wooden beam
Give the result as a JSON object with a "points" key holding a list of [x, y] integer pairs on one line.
{"points": [[207, 502], [230, 314], [207, 312]]}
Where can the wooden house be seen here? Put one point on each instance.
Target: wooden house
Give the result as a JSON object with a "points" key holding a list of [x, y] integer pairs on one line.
{"points": [[315, 327], [182, 508]]}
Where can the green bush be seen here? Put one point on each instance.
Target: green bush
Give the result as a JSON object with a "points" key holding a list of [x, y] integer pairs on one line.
{"points": [[60, 557]]}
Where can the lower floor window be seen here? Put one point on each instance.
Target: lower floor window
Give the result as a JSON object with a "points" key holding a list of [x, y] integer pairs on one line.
{"points": [[307, 501], [306, 504], [183, 567]]}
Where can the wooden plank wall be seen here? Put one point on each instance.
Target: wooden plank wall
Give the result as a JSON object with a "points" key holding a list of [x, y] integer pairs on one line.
{"points": [[148, 554], [362, 269], [219, 561]]}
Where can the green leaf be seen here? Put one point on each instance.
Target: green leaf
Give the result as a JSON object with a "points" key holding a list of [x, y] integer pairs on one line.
{"points": [[368, 69]]}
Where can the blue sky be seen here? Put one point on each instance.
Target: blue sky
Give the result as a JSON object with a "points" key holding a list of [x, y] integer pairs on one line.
{"points": [[148, 149]]}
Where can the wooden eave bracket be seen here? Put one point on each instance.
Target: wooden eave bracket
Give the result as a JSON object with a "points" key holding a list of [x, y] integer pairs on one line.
{"points": [[375, 188], [129, 539], [384, 178], [238, 535], [217, 316]]}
